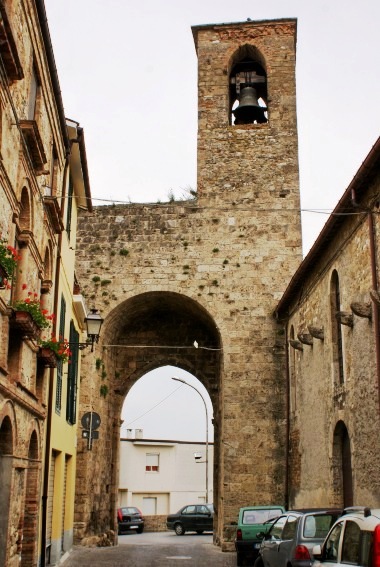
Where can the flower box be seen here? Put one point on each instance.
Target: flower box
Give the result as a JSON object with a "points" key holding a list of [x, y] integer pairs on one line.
{"points": [[23, 322], [47, 357]]}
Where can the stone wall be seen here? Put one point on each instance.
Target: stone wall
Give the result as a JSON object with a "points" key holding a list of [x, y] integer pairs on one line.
{"points": [[211, 270], [335, 414]]}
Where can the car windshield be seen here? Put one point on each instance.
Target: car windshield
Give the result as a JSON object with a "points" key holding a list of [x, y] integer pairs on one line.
{"points": [[260, 516], [126, 511], [317, 525]]}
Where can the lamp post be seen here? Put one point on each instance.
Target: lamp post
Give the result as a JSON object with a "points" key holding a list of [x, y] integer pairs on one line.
{"points": [[93, 323], [198, 392]]}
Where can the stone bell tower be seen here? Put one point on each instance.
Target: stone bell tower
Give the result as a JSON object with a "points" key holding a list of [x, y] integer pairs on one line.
{"points": [[248, 183], [247, 134]]}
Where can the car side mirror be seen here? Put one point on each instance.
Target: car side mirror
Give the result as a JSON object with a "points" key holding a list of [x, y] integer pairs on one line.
{"points": [[261, 535], [317, 552]]}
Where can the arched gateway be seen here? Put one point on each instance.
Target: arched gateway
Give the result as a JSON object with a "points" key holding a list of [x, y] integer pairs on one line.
{"points": [[210, 270]]}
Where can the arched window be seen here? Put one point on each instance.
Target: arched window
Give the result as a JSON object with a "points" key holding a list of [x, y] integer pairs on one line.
{"points": [[248, 87], [336, 330], [47, 264], [25, 210], [342, 468], [292, 374]]}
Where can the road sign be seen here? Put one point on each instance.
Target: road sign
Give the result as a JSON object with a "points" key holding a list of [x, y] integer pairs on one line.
{"points": [[91, 420]]}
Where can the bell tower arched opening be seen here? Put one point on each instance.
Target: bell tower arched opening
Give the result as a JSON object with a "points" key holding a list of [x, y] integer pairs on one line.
{"points": [[248, 87]]}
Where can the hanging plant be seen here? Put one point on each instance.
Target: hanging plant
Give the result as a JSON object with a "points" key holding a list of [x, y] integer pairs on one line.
{"points": [[9, 258], [32, 305], [60, 347]]}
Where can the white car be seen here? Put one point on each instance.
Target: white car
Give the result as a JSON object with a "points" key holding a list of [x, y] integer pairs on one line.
{"points": [[354, 539]]}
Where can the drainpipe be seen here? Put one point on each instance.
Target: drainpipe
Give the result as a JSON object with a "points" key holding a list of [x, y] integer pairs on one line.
{"points": [[287, 417], [45, 481]]}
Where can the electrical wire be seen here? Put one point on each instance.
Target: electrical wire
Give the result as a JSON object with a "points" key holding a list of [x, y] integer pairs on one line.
{"points": [[231, 208], [151, 409]]}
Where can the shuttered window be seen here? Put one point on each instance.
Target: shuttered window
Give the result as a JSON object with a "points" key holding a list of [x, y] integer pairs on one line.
{"points": [[152, 462], [72, 377], [69, 207], [58, 394]]}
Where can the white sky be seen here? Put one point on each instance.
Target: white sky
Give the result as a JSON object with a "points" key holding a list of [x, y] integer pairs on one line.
{"points": [[128, 74]]}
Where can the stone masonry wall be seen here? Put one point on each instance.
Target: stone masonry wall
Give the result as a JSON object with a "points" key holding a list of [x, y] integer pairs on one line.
{"points": [[322, 401], [218, 265]]}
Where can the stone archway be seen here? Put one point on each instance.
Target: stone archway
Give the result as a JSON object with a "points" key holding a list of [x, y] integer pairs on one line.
{"points": [[141, 334]]}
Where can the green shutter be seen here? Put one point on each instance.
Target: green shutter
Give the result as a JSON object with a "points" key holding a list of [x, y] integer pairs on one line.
{"points": [[72, 377]]}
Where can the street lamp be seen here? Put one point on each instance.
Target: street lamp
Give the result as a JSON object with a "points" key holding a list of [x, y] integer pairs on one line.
{"points": [[93, 323], [194, 388]]}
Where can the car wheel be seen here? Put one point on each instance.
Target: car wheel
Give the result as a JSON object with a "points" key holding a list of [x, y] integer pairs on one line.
{"points": [[239, 559], [258, 562], [140, 530], [199, 532], [178, 528]]}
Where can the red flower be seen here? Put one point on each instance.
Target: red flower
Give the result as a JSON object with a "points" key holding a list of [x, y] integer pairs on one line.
{"points": [[24, 286]]}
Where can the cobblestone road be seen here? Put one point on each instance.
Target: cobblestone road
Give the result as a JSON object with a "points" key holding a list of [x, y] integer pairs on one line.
{"points": [[154, 550]]}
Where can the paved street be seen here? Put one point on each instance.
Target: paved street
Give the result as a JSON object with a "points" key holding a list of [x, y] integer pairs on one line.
{"points": [[163, 549]]}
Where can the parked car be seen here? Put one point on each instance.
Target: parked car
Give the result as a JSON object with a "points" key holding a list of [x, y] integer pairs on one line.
{"points": [[251, 521], [291, 538], [354, 539], [191, 518], [129, 518]]}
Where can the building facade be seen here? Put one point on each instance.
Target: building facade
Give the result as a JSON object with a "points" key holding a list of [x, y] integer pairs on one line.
{"points": [[330, 317], [43, 181], [159, 477]]}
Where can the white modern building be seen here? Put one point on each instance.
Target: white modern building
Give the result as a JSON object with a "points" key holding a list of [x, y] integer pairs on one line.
{"points": [[159, 476]]}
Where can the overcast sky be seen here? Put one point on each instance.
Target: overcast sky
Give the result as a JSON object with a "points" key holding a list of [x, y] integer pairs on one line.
{"points": [[128, 74]]}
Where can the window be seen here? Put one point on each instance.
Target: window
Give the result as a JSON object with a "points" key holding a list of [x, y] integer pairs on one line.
{"points": [[289, 530], [152, 462], [351, 544], [332, 544], [69, 207], [336, 330], [189, 510], [58, 394], [33, 95], [276, 530], [72, 377]]}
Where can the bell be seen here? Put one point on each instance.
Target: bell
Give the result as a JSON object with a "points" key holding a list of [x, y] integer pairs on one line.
{"points": [[249, 110]]}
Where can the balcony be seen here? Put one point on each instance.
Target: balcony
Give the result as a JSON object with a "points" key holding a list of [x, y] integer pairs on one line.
{"points": [[54, 211], [34, 143], [8, 48]]}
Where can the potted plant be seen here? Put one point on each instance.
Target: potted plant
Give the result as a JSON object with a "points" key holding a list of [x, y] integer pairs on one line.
{"points": [[52, 350], [8, 262], [29, 315]]}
